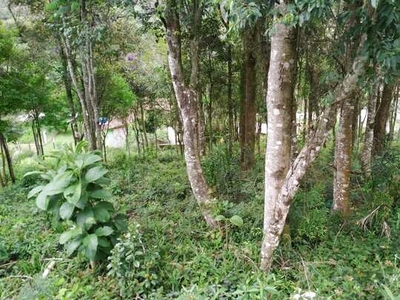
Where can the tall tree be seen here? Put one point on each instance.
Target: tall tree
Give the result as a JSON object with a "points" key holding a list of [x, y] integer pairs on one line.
{"points": [[282, 177], [344, 136], [186, 96]]}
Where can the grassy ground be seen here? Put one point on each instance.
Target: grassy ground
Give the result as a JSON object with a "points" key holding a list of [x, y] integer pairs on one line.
{"points": [[183, 259]]}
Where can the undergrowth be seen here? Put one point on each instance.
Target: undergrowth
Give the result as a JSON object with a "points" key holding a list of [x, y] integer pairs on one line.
{"points": [[168, 253]]}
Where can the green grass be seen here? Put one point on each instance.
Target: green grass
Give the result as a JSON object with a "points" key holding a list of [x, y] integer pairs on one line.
{"points": [[345, 262]]}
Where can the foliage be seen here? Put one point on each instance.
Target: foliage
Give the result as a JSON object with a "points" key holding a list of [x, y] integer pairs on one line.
{"points": [[309, 216], [222, 170], [74, 192], [132, 265], [381, 192]]}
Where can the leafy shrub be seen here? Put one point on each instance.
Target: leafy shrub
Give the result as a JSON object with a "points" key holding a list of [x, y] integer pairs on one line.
{"points": [[380, 193], [74, 192], [222, 171], [309, 215], [133, 265]]}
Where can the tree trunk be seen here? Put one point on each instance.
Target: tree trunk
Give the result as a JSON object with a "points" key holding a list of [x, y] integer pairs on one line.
{"points": [[393, 116], [143, 121], [230, 101], [366, 157], [282, 178], [186, 98], [3, 143], [344, 135], [3, 163], [127, 144], [2, 182], [381, 118], [201, 126], [343, 151], [248, 112], [81, 94], [281, 80], [68, 92], [210, 110]]}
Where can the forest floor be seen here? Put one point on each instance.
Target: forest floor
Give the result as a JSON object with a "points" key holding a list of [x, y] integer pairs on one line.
{"points": [[319, 254]]}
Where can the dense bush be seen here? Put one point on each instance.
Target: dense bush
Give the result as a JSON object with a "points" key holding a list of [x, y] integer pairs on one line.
{"points": [[74, 192]]}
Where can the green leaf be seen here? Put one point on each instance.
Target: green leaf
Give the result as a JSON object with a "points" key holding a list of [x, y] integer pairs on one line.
{"points": [[73, 193], [101, 214], [89, 222], [91, 159], [95, 173], [104, 243], [67, 235], [104, 231], [106, 205], [220, 218], [42, 201], [34, 191], [103, 181], [236, 220], [100, 194], [73, 245], [81, 146], [90, 242], [66, 210], [58, 184], [83, 216], [32, 173], [82, 201], [120, 222]]}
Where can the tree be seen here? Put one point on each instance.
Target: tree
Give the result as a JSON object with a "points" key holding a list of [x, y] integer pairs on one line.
{"points": [[186, 95], [282, 177]]}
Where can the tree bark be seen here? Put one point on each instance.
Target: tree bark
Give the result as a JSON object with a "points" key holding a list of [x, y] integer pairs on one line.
{"points": [[3, 143], [248, 112], [344, 135], [68, 92], [282, 178], [186, 98], [393, 116], [381, 118], [366, 157], [281, 80], [3, 163], [343, 151]]}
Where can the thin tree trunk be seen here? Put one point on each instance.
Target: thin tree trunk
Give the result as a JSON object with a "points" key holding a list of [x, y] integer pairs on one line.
{"points": [[3, 163], [35, 138], [356, 114], [381, 118], [127, 144], [248, 112], [136, 131], [230, 100], [186, 98], [344, 135], [210, 110], [2, 183], [393, 116], [79, 92], [366, 157], [142, 119], [39, 133], [3, 143], [68, 92]]}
